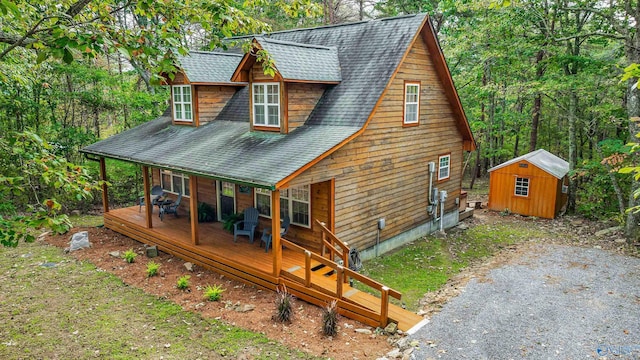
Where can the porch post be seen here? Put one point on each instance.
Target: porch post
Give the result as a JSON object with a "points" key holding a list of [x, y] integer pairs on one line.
{"points": [[275, 232], [148, 209], [103, 177], [193, 208]]}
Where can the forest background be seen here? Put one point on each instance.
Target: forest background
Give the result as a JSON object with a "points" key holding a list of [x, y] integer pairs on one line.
{"points": [[553, 74]]}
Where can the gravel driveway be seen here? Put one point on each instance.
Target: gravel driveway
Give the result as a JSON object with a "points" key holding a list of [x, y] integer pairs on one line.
{"points": [[557, 302]]}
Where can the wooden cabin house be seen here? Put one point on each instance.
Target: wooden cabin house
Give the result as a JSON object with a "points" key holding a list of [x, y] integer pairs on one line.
{"points": [[534, 184], [350, 139]]}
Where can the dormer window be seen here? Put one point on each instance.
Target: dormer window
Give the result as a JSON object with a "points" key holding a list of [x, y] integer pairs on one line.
{"points": [[182, 107], [266, 104]]}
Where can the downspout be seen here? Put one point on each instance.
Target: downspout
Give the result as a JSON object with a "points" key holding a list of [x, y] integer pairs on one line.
{"points": [[443, 197]]}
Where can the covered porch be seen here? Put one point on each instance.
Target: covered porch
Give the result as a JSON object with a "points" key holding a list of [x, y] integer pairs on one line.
{"points": [[307, 275], [316, 276]]}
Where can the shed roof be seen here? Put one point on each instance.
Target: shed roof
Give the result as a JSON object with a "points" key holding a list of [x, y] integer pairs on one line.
{"points": [[307, 62], [209, 67], [544, 160]]}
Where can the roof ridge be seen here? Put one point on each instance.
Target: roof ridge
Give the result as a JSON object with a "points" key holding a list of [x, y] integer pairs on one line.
{"points": [[329, 26], [214, 53], [283, 42]]}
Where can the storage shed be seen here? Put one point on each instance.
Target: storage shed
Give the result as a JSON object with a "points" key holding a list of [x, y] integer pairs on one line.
{"points": [[534, 184]]}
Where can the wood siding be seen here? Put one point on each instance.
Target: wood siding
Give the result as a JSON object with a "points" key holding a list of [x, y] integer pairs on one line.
{"points": [[383, 173], [211, 100], [545, 191], [302, 99], [179, 79]]}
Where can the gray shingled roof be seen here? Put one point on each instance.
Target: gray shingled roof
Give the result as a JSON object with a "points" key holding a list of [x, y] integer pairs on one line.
{"points": [[544, 160], [222, 149], [368, 52], [295, 61], [209, 67]]}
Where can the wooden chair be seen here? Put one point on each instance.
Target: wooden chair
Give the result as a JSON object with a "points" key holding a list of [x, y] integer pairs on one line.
{"points": [[156, 193], [170, 207], [249, 224], [266, 234]]}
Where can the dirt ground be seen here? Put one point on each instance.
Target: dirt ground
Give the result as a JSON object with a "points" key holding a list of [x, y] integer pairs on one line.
{"points": [[303, 333]]}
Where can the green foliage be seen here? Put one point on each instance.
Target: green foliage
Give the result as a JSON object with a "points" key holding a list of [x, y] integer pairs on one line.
{"points": [[183, 282], [268, 64], [152, 268], [284, 305], [330, 319], [505, 212], [206, 212], [33, 177], [229, 220], [213, 293], [129, 256]]}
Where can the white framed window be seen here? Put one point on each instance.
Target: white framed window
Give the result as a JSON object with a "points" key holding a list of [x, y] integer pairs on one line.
{"points": [[411, 102], [263, 201], [294, 202], [174, 182], [266, 104], [182, 107], [444, 166], [522, 187]]}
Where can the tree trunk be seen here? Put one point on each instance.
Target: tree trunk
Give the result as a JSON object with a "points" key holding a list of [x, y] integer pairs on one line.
{"points": [[537, 105], [573, 105], [632, 228], [612, 178]]}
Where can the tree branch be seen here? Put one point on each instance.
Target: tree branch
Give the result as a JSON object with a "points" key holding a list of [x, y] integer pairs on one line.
{"points": [[77, 7], [21, 41], [595, 33]]}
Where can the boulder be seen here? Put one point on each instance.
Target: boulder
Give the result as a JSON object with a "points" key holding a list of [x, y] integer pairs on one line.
{"points": [[79, 240]]}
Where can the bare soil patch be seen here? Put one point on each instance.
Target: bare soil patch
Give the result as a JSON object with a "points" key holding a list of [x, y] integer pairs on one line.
{"points": [[303, 333]]}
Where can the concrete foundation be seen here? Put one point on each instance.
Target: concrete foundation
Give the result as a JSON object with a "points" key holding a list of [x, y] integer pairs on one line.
{"points": [[450, 220]]}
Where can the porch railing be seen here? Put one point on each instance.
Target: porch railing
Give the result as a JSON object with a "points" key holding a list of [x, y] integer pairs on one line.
{"points": [[335, 246], [343, 273]]}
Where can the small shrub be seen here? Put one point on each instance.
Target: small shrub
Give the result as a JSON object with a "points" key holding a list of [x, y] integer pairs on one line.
{"points": [[505, 212], [183, 282], [229, 220], [330, 319], [284, 305], [213, 293], [129, 256], [152, 268], [206, 212]]}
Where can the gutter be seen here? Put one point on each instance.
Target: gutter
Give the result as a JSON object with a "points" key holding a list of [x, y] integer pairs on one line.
{"points": [[267, 186]]}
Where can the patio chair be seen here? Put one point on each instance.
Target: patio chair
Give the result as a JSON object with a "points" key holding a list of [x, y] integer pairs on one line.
{"points": [[266, 234], [249, 224], [156, 193], [170, 207]]}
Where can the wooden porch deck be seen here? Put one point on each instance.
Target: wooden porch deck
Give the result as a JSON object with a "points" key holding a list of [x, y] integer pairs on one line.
{"points": [[251, 264]]}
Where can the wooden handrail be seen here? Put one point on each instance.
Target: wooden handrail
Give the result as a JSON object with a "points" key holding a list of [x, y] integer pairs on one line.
{"points": [[343, 273], [343, 254]]}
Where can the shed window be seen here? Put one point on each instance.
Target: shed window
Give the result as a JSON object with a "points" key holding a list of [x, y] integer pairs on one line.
{"points": [[182, 107], [294, 202], [411, 103], [444, 165], [522, 187], [266, 104], [174, 182]]}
